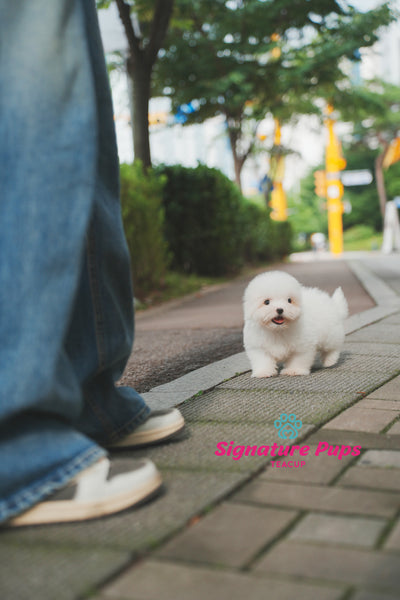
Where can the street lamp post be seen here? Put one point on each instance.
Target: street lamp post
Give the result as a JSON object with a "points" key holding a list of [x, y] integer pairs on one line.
{"points": [[334, 163], [278, 196]]}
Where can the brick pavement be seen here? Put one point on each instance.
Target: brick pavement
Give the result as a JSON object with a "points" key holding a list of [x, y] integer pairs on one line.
{"points": [[330, 529], [234, 529]]}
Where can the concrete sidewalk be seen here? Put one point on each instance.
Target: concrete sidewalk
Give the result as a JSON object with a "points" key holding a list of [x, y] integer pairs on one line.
{"points": [[183, 335], [234, 529]]}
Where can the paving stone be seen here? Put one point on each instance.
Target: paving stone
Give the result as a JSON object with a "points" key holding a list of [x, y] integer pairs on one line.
{"points": [[394, 429], [371, 362], [163, 400], [376, 280], [393, 319], [370, 420], [137, 530], [388, 334], [153, 580], [332, 380], [381, 458], [389, 391], [54, 571], [356, 438], [318, 469], [393, 541], [231, 535], [380, 404], [198, 451], [375, 478], [319, 498], [371, 315], [371, 348], [261, 406], [373, 595], [359, 567], [333, 529], [391, 278], [208, 376]]}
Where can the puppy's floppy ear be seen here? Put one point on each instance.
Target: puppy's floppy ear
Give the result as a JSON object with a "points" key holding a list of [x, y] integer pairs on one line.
{"points": [[250, 304], [299, 297]]}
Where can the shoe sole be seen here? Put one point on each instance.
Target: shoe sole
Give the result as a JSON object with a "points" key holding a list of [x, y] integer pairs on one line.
{"points": [[153, 436], [67, 511]]}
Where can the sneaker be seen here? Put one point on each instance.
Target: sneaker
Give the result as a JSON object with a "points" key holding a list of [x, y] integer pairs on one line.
{"points": [[159, 426], [102, 489]]}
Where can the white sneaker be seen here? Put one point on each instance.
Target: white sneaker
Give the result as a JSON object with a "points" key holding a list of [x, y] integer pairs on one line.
{"points": [[159, 426], [102, 489]]}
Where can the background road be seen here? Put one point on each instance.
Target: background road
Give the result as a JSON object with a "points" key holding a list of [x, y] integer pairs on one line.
{"points": [[186, 334]]}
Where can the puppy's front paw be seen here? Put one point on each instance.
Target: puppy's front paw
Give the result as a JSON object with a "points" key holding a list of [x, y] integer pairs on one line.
{"points": [[264, 373], [331, 358], [292, 372]]}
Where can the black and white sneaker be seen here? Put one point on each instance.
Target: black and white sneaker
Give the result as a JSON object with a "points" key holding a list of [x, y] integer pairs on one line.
{"points": [[159, 426], [102, 489]]}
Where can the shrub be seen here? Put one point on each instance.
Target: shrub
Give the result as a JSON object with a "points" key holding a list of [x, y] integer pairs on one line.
{"points": [[282, 238], [257, 233], [265, 239], [143, 216], [359, 232], [361, 237], [203, 226]]}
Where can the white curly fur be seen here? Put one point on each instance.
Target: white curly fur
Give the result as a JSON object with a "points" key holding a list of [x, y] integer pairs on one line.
{"points": [[288, 323]]}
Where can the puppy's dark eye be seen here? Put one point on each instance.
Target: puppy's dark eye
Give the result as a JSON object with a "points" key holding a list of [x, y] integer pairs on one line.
{"points": [[289, 300], [266, 301]]}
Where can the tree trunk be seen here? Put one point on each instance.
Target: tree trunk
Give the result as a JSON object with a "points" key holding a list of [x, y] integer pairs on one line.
{"points": [[380, 182], [140, 77], [139, 66], [238, 162]]}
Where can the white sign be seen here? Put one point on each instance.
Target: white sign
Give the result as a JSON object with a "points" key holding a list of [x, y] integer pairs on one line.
{"points": [[391, 230], [333, 191], [361, 177]]}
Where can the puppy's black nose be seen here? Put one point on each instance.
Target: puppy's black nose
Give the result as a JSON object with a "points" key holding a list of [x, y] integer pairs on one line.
{"points": [[279, 311]]}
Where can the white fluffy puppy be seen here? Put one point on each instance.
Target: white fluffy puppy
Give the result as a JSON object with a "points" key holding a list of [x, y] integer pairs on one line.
{"points": [[286, 322]]}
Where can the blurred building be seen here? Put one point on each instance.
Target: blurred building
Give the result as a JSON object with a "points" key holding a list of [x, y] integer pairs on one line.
{"points": [[383, 59]]}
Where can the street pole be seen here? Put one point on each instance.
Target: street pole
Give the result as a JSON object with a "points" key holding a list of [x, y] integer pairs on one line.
{"points": [[334, 163], [278, 196]]}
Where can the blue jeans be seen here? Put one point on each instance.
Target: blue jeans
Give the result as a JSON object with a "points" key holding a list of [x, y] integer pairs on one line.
{"points": [[66, 303]]}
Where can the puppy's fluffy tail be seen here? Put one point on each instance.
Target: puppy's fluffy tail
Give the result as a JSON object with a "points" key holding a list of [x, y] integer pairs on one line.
{"points": [[341, 302]]}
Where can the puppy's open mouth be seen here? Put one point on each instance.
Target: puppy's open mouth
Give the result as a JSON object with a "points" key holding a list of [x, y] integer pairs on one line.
{"points": [[278, 320]]}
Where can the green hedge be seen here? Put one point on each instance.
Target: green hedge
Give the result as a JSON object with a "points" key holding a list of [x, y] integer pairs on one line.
{"points": [[203, 227], [265, 240], [143, 216], [211, 229], [194, 220]]}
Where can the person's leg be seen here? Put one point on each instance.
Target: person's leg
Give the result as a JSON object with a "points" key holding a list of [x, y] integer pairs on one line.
{"points": [[48, 166], [66, 320], [101, 332], [100, 335]]}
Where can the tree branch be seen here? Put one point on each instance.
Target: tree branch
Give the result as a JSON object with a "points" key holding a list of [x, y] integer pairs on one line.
{"points": [[125, 16], [159, 27], [199, 28]]}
